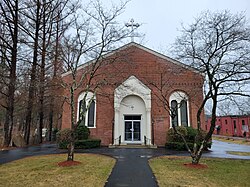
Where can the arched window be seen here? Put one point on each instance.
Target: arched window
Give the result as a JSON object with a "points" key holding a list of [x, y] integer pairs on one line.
{"points": [[184, 114], [81, 111], [91, 115], [87, 109], [179, 107], [174, 112]]}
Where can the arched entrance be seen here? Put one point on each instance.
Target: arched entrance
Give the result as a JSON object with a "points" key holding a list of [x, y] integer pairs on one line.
{"points": [[133, 116], [132, 105]]}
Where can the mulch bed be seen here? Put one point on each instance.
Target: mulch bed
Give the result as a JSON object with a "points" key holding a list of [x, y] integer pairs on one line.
{"points": [[196, 166], [68, 163]]}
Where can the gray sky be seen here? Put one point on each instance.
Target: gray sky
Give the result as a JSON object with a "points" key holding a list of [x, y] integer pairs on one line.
{"points": [[161, 19]]}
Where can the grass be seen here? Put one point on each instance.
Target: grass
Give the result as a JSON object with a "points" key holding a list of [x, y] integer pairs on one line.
{"points": [[44, 171], [170, 171], [231, 140], [239, 153]]}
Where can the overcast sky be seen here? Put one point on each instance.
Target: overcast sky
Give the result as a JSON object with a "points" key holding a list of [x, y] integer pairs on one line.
{"points": [[161, 19]]}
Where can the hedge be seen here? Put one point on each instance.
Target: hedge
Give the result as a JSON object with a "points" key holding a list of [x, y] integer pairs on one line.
{"points": [[175, 142], [87, 144], [180, 146], [82, 144], [63, 144]]}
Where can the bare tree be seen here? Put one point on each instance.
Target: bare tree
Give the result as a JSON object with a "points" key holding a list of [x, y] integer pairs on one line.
{"points": [[95, 34], [51, 11], [217, 44], [9, 12], [40, 31], [33, 13], [62, 12]]}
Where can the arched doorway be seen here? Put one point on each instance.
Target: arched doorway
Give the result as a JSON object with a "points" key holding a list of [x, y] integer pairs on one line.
{"points": [[132, 104], [133, 117]]}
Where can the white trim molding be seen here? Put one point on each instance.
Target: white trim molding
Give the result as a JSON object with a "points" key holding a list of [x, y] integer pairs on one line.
{"points": [[90, 96], [179, 96]]}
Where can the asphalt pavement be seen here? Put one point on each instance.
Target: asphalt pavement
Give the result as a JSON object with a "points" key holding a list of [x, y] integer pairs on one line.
{"points": [[132, 168], [220, 149]]}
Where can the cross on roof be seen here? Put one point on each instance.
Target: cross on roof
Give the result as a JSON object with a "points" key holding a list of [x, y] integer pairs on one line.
{"points": [[132, 25]]}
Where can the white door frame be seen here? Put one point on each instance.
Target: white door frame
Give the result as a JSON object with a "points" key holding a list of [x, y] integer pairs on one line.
{"points": [[132, 129]]}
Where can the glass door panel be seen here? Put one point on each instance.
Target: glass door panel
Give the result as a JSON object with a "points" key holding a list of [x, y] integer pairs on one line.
{"points": [[137, 131], [128, 131]]}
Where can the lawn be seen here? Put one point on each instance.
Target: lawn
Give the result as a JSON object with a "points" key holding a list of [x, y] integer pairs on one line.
{"points": [[231, 140], [239, 153], [44, 171], [171, 171]]}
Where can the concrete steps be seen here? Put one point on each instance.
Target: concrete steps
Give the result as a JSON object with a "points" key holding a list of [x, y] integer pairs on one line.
{"points": [[133, 146]]}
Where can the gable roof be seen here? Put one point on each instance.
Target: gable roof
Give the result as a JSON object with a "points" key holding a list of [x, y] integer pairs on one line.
{"points": [[133, 44]]}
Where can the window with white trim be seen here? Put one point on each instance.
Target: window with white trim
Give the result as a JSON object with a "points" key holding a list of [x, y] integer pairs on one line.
{"points": [[87, 109], [179, 106]]}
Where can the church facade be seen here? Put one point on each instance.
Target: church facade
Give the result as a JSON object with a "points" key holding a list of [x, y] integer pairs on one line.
{"points": [[138, 88]]}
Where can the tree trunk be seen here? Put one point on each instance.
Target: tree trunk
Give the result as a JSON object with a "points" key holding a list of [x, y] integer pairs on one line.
{"points": [[51, 113], [196, 158], [54, 79], [42, 78], [9, 117], [71, 148], [72, 142], [32, 78]]}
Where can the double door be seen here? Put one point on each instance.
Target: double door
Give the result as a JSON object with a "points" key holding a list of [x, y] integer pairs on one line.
{"points": [[132, 128]]}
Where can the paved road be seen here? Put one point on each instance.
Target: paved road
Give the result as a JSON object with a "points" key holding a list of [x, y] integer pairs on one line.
{"points": [[132, 167], [219, 150], [15, 154]]}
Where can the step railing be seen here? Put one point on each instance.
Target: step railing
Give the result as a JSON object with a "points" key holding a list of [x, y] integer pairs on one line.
{"points": [[117, 141], [147, 141]]}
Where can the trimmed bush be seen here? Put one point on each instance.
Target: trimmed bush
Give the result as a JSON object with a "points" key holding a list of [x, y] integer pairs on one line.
{"points": [[175, 142], [179, 146], [87, 144], [81, 138], [172, 137], [82, 144], [63, 137], [82, 132]]}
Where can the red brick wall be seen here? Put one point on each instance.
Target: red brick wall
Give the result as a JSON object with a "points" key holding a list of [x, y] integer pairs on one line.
{"points": [[149, 69], [226, 124]]}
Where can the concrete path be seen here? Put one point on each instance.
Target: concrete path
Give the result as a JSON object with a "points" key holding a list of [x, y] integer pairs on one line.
{"points": [[131, 168]]}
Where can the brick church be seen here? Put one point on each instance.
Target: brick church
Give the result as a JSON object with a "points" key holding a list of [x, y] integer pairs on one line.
{"points": [[136, 88]]}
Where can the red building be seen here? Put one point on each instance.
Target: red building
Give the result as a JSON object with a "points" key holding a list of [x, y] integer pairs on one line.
{"points": [[129, 106], [232, 125]]}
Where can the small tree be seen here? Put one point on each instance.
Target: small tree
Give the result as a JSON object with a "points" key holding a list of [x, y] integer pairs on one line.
{"points": [[95, 33], [218, 45]]}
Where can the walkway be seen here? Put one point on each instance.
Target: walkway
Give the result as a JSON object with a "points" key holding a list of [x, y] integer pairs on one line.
{"points": [[132, 167]]}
